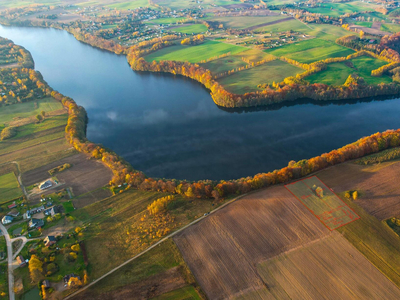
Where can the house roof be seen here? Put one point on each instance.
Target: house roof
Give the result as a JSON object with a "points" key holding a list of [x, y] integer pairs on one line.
{"points": [[50, 238], [8, 218]]}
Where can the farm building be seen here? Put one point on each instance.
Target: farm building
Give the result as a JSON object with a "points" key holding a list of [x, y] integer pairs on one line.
{"points": [[45, 185], [52, 211], [7, 220], [35, 223], [49, 240], [13, 213], [12, 205]]}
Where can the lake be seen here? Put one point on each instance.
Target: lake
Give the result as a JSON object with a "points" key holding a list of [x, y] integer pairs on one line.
{"points": [[169, 127]]}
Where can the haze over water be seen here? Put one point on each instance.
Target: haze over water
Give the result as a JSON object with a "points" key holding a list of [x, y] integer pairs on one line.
{"points": [[169, 126]]}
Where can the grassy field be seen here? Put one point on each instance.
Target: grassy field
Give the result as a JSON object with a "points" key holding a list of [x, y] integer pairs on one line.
{"points": [[245, 22], [328, 208], [124, 5], [338, 9], [337, 73], [27, 109], [311, 50], [235, 61], [46, 124], [247, 81], [196, 28], [166, 21], [9, 188], [390, 27], [294, 25], [19, 3], [164, 262], [194, 54], [364, 24], [121, 224]]}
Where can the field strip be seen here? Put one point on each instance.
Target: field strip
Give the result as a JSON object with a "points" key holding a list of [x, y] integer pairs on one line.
{"points": [[269, 23], [322, 202], [41, 143], [155, 245]]}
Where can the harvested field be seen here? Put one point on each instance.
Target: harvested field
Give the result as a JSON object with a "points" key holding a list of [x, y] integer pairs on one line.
{"points": [[327, 207], [223, 249], [91, 197], [378, 186], [305, 272], [84, 176]]}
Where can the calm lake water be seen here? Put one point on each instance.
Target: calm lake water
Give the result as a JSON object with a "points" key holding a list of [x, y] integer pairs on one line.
{"points": [[169, 126]]}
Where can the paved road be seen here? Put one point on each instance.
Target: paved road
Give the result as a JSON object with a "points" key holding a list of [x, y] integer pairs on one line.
{"points": [[155, 245], [10, 262]]}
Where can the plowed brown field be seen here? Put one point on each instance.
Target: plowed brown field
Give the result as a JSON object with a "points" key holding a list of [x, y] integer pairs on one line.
{"points": [[330, 268], [378, 184], [222, 251]]}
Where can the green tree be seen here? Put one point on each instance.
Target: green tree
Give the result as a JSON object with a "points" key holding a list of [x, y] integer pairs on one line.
{"points": [[43, 113], [39, 118]]}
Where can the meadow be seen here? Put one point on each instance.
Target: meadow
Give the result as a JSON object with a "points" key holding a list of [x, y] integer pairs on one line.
{"points": [[311, 50], [9, 188], [164, 262], [196, 28], [27, 109], [194, 54], [338, 9], [129, 4], [337, 73], [247, 80], [245, 22], [390, 27], [170, 21]]}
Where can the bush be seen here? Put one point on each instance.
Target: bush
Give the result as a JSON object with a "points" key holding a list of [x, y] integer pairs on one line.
{"points": [[75, 248], [8, 133]]}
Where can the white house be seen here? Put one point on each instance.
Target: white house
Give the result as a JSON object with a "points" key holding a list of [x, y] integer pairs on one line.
{"points": [[7, 220]]}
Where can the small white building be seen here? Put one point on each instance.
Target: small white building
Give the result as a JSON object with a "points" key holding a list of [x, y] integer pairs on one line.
{"points": [[7, 220], [45, 185]]}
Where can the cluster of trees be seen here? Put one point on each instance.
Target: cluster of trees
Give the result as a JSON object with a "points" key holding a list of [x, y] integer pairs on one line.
{"points": [[11, 53], [351, 195], [215, 58], [160, 205], [196, 40], [380, 157], [59, 169], [8, 132]]}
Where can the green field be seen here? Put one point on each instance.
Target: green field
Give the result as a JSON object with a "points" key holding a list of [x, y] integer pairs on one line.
{"points": [[185, 293], [245, 22], [338, 9], [247, 81], [166, 21], [394, 28], [337, 73], [364, 24], [27, 109], [47, 123], [129, 4], [196, 28], [19, 3], [329, 208], [294, 25], [194, 54], [235, 61], [68, 207], [311, 50], [9, 188]]}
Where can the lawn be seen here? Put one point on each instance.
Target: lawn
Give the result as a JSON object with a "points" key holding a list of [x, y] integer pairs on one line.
{"points": [[311, 50], [166, 21], [27, 109], [394, 28], [68, 207], [364, 24], [196, 28], [9, 188], [247, 81], [337, 73], [194, 54]]}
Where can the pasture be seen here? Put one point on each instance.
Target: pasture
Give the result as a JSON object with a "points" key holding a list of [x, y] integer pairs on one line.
{"points": [[159, 274], [223, 249], [9, 188], [194, 54], [326, 206], [303, 273], [246, 21], [166, 21], [294, 25], [338, 9], [337, 73], [28, 109], [125, 5], [390, 27], [196, 28], [311, 50], [247, 80]]}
